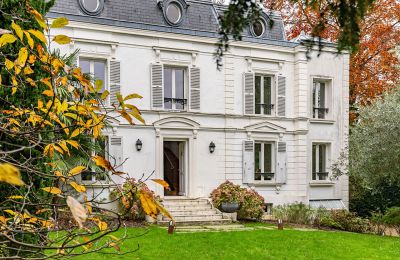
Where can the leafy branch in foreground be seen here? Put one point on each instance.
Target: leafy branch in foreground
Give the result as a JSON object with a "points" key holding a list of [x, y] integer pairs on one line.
{"points": [[51, 115]]}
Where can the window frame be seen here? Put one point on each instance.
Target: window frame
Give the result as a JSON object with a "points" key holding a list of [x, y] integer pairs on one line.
{"points": [[173, 87], [262, 161], [328, 100], [262, 89], [93, 179], [91, 59], [327, 161]]}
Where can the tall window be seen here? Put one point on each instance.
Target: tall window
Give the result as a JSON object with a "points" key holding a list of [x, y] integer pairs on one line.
{"points": [[264, 94], [319, 161], [320, 108], [97, 147], [263, 161], [97, 69], [174, 88]]}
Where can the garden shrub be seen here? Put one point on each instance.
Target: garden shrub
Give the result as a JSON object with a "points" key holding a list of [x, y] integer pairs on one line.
{"points": [[378, 223], [299, 213], [251, 204], [129, 204], [392, 218], [346, 221]]}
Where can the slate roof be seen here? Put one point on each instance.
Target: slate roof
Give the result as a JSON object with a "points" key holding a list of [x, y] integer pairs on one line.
{"points": [[201, 18]]}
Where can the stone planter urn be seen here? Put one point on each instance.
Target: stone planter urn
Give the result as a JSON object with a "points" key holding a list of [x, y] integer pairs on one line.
{"points": [[229, 207]]}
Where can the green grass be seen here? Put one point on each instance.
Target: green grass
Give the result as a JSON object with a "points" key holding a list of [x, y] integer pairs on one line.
{"points": [[255, 244]]}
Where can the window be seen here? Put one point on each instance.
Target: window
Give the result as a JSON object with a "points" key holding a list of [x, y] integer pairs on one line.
{"points": [[263, 161], [174, 13], [91, 7], [258, 28], [319, 162], [97, 69], [320, 109], [263, 95], [95, 173], [174, 88]]}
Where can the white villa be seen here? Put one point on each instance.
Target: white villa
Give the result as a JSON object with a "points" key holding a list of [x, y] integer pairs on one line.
{"points": [[270, 119]]}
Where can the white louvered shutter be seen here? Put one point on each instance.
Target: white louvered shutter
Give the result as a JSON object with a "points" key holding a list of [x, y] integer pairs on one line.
{"points": [[157, 92], [281, 96], [248, 83], [195, 88], [115, 81], [248, 161], [281, 163], [116, 153]]}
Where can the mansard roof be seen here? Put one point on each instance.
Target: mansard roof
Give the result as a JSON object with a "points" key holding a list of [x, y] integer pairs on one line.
{"points": [[200, 18]]}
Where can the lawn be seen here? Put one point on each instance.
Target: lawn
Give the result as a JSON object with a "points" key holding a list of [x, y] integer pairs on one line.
{"points": [[255, 244]]}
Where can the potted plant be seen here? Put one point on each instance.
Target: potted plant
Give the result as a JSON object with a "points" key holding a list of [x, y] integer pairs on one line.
{"points": [[226, 197], [230, 207]]}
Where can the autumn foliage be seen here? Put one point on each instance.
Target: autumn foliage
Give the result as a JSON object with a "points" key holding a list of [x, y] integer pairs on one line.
{"points": [[374, 65], [51, 115]]}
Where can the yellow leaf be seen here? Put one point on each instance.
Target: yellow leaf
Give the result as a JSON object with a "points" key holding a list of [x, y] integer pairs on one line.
{"points": [[28, 70], [115, 246], [120, 99], [76, 170], [0, 80], [62, 39], [52, 190], [13, 90], [32, 59], [39, 35], [77, 210], [29, 39], [59, 22], [162, 182], [73, 143], [75, 133], [58, 149], [132, 96], [102, 225], [22, 56], [114, 237], [148, 203], [100, 161], [59, 174], [77, 187], [105, 94], [11, 212], [48, 93], [99, 84], [41, 211], [63, 145], [125, 115], [3, 220], [15, 197], [9, 64], [17, 30], [6, 39], [10, 174], [39, 18]]}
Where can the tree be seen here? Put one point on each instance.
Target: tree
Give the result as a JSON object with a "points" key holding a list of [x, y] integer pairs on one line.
{"points": [[375, 155], [347, 14], [374, 63], [51, 117]]}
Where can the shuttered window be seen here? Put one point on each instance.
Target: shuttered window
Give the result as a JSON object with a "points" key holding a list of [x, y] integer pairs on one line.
{"points": [[97, 69], [174, 88], [319, 106], [264, 95], [264, 161]]}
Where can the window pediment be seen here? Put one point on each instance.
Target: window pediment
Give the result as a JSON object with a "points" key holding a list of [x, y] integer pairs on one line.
{"points": [[266, 127], [177, 123]]}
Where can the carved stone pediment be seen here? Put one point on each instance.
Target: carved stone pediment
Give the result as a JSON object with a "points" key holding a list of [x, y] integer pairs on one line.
{"points": [[176, 122], [266, 127]]}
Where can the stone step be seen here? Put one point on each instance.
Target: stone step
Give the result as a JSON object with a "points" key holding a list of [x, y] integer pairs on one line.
{"points": [[192, 212], [197, 222], [167, 203], [188, 207], [197, 217]]}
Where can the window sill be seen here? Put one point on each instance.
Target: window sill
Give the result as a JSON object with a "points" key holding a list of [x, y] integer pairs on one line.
{"points": [[265, 183], [322, 121], [321, 183]]}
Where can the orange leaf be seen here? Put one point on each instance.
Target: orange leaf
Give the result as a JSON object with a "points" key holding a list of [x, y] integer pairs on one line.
{"points": [[162, 182], [148, 203], [100, 161]]}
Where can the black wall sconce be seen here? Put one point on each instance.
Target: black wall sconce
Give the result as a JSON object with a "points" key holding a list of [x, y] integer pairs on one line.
{"points": [[212, 147], [139, 145]]}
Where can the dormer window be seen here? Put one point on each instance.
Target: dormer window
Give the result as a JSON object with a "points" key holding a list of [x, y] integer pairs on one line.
{"points": [[91, 7], [258, 28], [174, 13]]}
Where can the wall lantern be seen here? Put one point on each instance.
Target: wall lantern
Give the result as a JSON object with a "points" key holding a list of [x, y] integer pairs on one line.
{"points": [[139, 145], [212, 147]]}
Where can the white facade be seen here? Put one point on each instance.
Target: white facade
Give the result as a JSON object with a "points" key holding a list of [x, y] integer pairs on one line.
{"points": [[216, 111]]}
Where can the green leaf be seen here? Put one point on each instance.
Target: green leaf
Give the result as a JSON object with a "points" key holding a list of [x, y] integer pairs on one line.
{"points": [[59, 22]]}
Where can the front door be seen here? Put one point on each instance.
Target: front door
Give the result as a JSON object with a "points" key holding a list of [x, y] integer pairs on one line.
{"points": [[174, 167]]}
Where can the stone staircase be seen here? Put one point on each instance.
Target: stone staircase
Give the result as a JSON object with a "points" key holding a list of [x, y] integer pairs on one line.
{"points": [[191, 212]]}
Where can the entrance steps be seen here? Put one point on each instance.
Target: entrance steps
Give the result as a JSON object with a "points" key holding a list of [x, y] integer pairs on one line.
{"points": [[192, 212]]}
